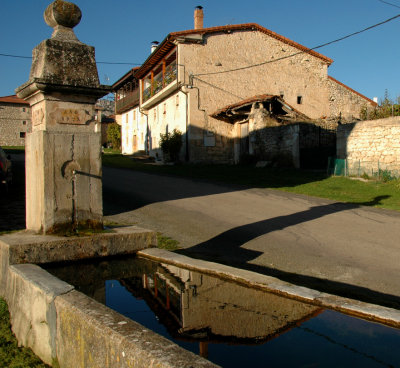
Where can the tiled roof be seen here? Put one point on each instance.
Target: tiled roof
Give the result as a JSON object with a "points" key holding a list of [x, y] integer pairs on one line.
{"points": [[13, 99], [128, 76], [167, 45], [352, 90]]}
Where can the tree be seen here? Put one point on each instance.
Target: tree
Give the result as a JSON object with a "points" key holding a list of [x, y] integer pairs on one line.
{"points": [[386, 108], [114, 135]]}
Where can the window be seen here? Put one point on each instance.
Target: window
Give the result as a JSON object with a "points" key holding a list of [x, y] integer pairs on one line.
{"points": [[23, 109], [299, 100], [24, 122], [22, 134]]}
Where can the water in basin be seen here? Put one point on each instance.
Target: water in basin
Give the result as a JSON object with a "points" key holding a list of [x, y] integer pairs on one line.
{"points": [[231, 324]]}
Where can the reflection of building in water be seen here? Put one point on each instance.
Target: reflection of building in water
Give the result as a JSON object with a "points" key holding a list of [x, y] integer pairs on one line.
{"points": [[208, 308], [192, 306]]}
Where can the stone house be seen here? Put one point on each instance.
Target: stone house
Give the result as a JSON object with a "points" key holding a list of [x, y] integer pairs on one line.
{"points": [[193, 74], [15, 121]]}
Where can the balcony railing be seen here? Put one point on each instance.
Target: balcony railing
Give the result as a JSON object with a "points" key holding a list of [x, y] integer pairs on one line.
{"points": [[129, 100], [159, 82], [170, 74]]}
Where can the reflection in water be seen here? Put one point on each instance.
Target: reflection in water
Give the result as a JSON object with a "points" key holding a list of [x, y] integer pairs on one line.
{"points": [[209, 309], [229, 323]]}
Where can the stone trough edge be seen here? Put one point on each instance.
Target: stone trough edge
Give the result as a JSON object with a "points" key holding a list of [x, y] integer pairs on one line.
{"points": [[66, 328], [356, 308]]}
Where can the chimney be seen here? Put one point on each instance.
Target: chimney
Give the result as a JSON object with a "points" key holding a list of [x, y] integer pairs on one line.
{"points": [[154, 45], [198, 17]]}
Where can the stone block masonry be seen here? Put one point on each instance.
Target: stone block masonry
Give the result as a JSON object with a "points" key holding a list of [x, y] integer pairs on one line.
{"points": [[15, 122], [370, 146]]}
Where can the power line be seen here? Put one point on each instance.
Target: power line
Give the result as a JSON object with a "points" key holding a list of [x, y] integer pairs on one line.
{"points": [[16, 56], [219, 88], [302, 52], [97, 62], [387, 2], [115, 63]]}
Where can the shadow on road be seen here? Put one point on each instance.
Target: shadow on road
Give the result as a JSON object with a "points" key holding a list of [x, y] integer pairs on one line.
{"points": [[226, 248], [136, 190], [128, 190]]}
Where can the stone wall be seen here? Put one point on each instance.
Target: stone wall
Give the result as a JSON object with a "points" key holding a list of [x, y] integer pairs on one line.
{"points": [[15, 122], [345, 103], [370, 146]]}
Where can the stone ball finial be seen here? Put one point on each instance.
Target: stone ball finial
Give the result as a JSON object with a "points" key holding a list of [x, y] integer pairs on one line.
{"points": [[62, 13]]}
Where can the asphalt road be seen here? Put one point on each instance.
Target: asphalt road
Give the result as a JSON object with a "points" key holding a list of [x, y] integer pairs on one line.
{"points": [[339, 248]]}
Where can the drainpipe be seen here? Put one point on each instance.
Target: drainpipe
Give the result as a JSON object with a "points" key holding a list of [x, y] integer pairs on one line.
{"points": [[187, 155]]}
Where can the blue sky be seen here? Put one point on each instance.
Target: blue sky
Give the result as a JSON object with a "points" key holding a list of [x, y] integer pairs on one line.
{"points": [[122, 31]]}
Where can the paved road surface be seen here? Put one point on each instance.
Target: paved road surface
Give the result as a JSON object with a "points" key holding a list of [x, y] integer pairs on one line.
{"points": [[344, 249]]}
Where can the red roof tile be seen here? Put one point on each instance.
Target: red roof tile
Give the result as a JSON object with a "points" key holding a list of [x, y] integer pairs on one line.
{"points": [[13, 99]]}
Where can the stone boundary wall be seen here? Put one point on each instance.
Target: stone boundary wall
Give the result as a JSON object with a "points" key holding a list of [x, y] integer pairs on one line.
{"points": [[370, 146], [278, 144]]}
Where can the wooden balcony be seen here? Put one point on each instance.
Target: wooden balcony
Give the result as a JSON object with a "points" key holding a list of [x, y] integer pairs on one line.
{"points": [[160, 81], [125, 103]]}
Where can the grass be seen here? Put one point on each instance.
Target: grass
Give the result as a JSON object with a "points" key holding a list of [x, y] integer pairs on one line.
{"points": [[111, 151], [371, 193], [167, 243], [8, 232], [12, 356], [14, 149]]}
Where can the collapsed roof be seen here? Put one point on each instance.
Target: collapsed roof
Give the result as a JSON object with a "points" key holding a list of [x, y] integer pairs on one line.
{"points": [[275, 105]]}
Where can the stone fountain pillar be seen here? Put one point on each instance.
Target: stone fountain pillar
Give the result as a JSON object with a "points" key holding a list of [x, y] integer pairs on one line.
{"points": [[63, 152]]}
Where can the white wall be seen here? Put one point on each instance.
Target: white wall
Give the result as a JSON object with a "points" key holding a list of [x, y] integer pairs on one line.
{"points": [[133, 131], [167, 115]]}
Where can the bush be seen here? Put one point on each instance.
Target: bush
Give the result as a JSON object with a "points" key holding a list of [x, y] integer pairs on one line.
{"points": [[385, 175], [171, 144]]}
